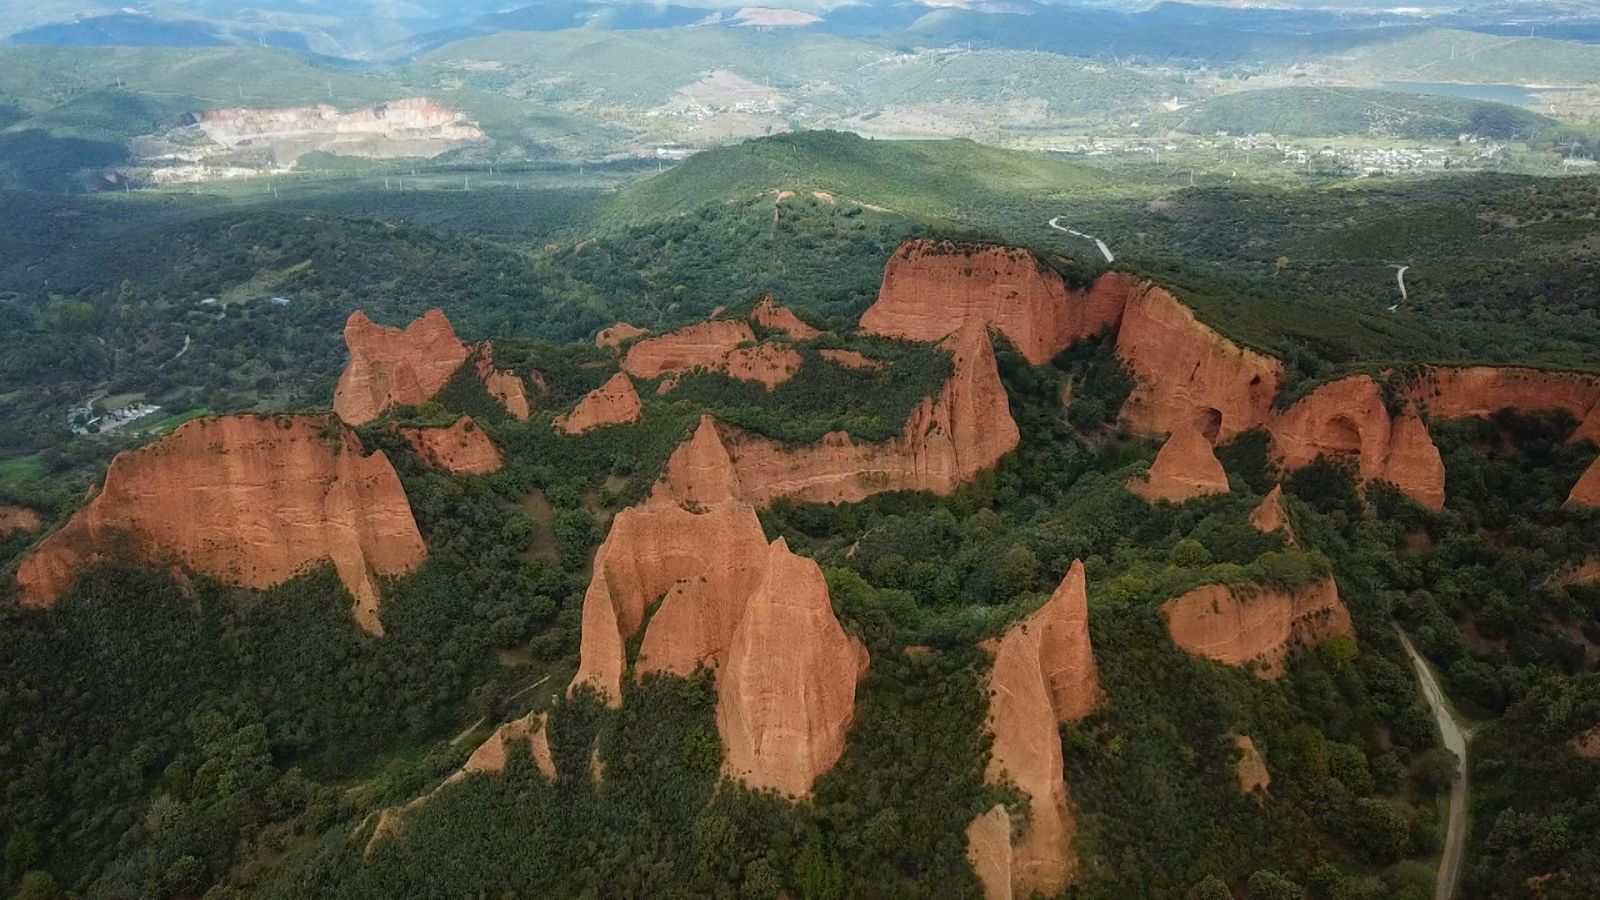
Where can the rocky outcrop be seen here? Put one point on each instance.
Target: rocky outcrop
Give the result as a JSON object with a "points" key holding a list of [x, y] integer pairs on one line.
{"points": [[1587, 745], [989, 851], [503, 385], [767, 364], [692, 546], [786, 695], [462, 448], [932, 288], [1587, 491], [247, 500], [1454, 392], [1185, 468], [393, 367], [1348, 419], [1250, 767], [1187, 373], [1270, 515], [15, 519], [948, 439], [399, 128], [493, 754], [612, 403], [703, 345], [1255, 624], [613, 336], [852, 359], [768, 314], [1043, 677]]}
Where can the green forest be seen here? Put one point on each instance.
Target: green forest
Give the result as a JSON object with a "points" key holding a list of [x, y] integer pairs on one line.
{"points": [[164, 734]]}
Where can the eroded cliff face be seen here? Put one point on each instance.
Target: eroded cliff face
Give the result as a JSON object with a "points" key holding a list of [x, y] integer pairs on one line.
{"points": [[786, 695], [248, 500], [769, 364], [932, 288], [693, 545], [395, 367], [1044, 676], [1185, 468], [1270, 515], [492, 755], [613, 336], [1187, 374], [768, 314], [612, 403], [703, 345], [503, 385], [462, 448], [1587, 491], [18, 518], [852, 359], [1347, 418], [1448, 392], [948, 439], [411, 127], [1245, 624]]}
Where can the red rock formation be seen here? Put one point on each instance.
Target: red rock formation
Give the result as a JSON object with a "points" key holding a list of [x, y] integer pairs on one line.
{"points": [[493, 754], [704, 561], [1270, 515], [703, 345], [1587, 745], [989, 851], [768, 314], [769, 364], [1587, 491], [614, 336], [1252, 623], [613, 403], [1250, 767], [462, 448], [248, 500], [1184, 469], [948, 439], [503, 385], [1186, 373], [1457, 392], [390, 367], [851, 359], [932, 288], [18, 518], [1044, 676], [786, 696], [1348, 418]]}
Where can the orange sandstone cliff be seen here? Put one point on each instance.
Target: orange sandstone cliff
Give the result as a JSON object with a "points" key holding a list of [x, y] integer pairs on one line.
{"points": [[1187, 373], [248, 500], [1348, 418], [948, 439], [1587, 491], [1270, 514], [462, 448], [786, 695], [614, 335], [502, 384], [493, 754], [1448, 392], [768, 314], [852, 359], [612, 403], [395, 367], [703, 345], [1185, 468], [1044, 676], [1241, 624], [931, 288]]}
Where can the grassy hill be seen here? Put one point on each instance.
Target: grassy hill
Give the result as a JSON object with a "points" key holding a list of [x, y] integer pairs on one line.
{"points": [[1330, 111]]}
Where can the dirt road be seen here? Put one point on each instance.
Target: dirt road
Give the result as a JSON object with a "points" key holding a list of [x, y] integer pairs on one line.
{"points": [[1455, 740]]}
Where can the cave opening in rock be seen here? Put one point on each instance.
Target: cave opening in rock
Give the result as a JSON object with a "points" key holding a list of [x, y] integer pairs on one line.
{"points": [[1208, 421]]}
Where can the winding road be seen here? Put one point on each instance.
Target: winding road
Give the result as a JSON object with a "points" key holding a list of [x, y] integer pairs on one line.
{"points": [[1455, 740], [1104, 250]]}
